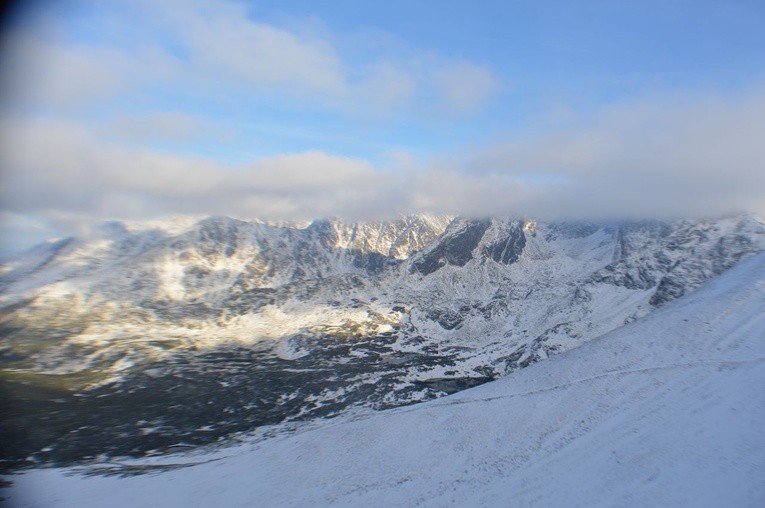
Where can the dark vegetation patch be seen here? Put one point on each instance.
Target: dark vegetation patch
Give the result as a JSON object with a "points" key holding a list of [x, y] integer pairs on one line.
{"points": [[202, 397]]}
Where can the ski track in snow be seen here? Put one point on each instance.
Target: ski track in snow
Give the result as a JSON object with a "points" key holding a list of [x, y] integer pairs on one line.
{"points": [[601, 376]]}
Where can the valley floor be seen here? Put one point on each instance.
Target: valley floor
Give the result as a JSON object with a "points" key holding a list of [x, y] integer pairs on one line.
{"points": [[665, 411]]}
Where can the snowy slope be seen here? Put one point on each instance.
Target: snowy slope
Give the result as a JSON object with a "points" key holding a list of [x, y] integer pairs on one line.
{"points": [[664, 411], [141, 337]]}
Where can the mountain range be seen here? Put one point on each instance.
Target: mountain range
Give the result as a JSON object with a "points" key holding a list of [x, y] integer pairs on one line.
{"points": [[143, 338], [666, 410]]}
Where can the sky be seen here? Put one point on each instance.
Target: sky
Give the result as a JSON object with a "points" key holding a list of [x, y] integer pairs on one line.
{"points": [[139, 109]]}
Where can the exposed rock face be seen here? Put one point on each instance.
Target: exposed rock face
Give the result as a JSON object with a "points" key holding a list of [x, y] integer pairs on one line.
{"points": [[455, 247], [508, 247], [335, 314]]}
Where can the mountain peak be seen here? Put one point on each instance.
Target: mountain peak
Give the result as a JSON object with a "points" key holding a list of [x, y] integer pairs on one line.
{"points": [[344, 314]]}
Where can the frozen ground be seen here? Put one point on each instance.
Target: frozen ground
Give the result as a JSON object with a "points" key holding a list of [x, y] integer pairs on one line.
{"points": [[665, 411], [135, 339]]}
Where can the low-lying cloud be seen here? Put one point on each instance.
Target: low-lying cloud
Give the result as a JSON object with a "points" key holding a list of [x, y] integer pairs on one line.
{"points": [[668, 156], [650, 159], [82, 122]]}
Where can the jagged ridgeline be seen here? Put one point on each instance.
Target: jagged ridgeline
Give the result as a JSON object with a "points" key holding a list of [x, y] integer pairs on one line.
{"points": [[143, 338]]}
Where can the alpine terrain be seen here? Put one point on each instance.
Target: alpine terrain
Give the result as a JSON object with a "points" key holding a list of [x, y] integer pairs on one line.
{"points": [[147, 338], [663, 411]]}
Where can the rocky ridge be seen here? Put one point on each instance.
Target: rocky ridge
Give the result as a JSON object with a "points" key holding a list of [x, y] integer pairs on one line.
{"points": [[168, 335]]}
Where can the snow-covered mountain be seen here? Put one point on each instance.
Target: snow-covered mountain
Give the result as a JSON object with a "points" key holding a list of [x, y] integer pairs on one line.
{"points": [[664, 411], [185, 332]]}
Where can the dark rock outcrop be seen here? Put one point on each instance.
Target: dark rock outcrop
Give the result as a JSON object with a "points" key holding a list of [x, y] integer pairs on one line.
{"points": [[454, 247], [507, 250]]}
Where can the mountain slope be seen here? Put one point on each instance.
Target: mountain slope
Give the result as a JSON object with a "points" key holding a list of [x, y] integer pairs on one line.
{"points": [[142, 337], [665, 411], [515, 282]]}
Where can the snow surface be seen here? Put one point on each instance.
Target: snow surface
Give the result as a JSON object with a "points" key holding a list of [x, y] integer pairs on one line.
{"points": [[145, 291], [665, 411]]}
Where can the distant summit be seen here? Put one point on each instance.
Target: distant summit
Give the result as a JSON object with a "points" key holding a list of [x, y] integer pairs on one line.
{"points": [[236, 324]]}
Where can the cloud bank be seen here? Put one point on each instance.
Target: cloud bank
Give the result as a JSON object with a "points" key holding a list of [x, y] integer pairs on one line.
{"points": [[201, 107], [661, 158]]}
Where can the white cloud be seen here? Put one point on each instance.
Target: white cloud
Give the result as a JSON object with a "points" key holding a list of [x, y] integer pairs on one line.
{"points": [[38, 72], [162, 126], [703, 157], [661, 156], [386, 87], [217, 52], [465, 86], [313, 171], [221, 40], [667, 156], [59, 166], [208, 48]]}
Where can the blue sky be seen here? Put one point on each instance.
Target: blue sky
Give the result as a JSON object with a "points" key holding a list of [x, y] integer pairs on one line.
{"points": [[297, 109]]}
